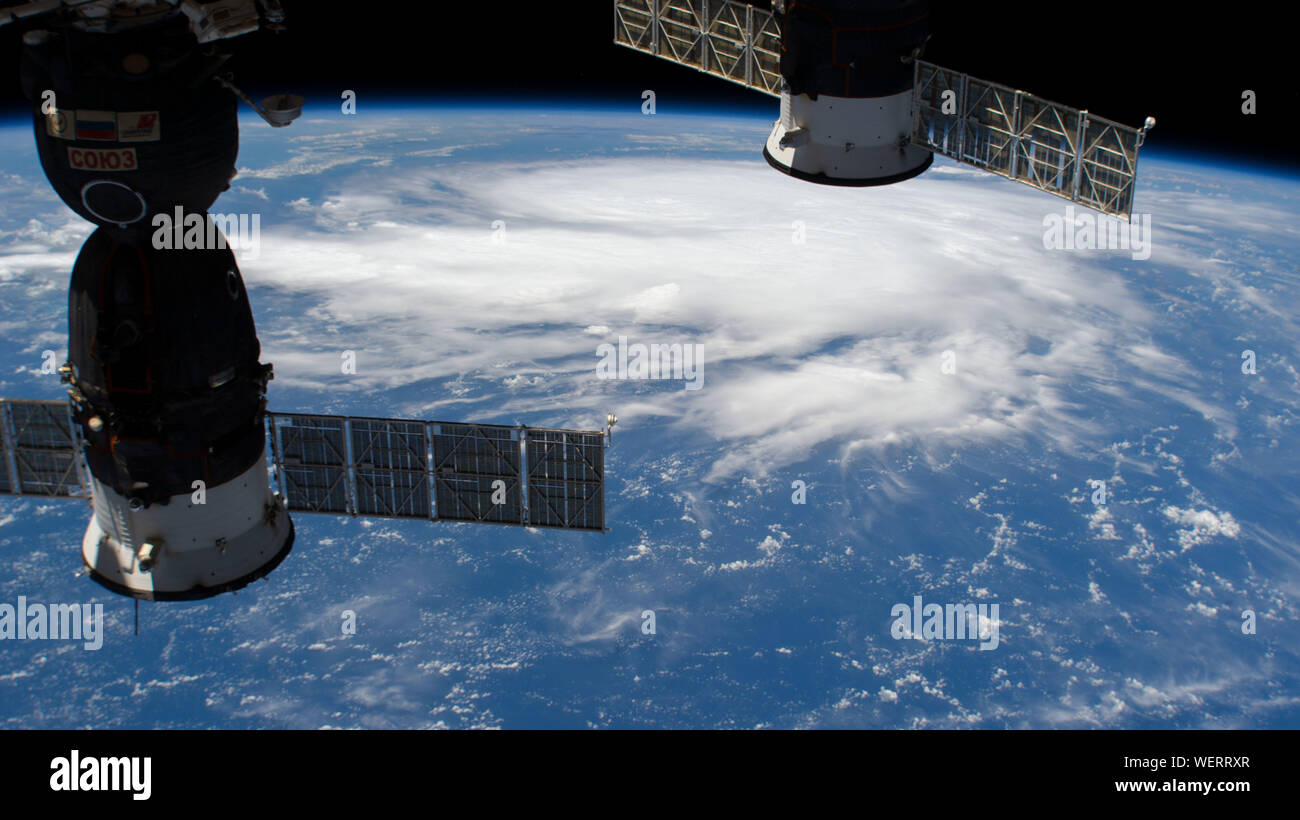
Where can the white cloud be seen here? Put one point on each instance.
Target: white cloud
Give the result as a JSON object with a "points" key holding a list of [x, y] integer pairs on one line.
{"points": [[1201, 525], [838, 339]]}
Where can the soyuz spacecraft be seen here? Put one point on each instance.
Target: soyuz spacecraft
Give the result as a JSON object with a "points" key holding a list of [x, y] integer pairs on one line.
{"points": [[167, 427], [859, 106]]}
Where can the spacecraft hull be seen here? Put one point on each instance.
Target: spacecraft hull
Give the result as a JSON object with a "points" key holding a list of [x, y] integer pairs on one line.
{"points": [[846, 141], [238, 534], [170, 398], [846, 92], [130, 125]]}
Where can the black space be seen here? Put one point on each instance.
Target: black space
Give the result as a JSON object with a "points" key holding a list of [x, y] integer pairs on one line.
{"points": [[1185, 64]]}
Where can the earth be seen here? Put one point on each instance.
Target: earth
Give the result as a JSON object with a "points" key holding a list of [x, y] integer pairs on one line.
{"points": [[905, 392]]}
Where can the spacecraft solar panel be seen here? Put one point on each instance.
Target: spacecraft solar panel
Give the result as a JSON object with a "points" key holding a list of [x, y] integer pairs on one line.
{"points": [[566, 482], [476, 473], [445, 471], [1051, 147], [40, 450], [311, 456], [730, 40], [391, 468], [383, 468]]}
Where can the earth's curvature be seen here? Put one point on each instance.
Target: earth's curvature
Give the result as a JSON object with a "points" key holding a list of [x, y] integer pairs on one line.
{"points": [[947, 389]]}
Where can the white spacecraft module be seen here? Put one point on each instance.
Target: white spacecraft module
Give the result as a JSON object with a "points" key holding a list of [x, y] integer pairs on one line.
{"points": [[859, 107]]}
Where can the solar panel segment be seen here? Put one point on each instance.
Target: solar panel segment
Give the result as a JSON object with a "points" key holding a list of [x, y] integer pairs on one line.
{"points": [[380, 468]]}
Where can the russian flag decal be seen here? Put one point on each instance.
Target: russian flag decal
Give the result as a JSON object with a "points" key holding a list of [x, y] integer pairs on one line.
{"points": [[97, 125]]}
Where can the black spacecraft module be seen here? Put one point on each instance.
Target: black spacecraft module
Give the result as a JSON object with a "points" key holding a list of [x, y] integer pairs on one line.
{"points": [[170, 396], [130, 124]]}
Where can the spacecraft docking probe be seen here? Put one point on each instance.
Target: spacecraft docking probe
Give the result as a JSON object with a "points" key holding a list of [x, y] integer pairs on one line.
{"points": [[846, 99]]}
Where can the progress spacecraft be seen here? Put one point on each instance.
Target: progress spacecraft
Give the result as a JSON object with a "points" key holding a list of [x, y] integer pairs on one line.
{"points": [[859, 106], [167, 426]]}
